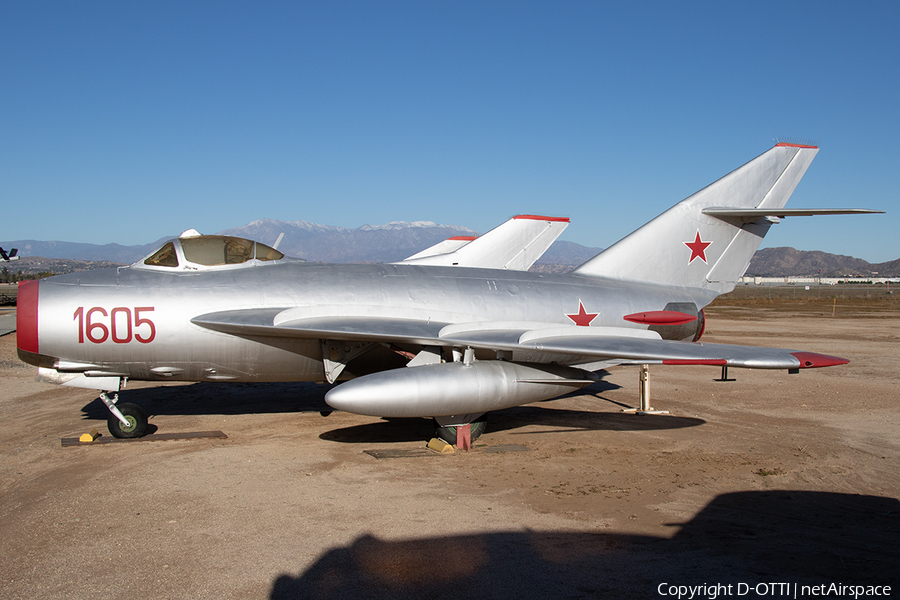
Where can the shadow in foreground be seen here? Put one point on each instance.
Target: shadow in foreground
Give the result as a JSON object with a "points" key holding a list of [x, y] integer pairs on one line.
{"points": [[790, 537]]}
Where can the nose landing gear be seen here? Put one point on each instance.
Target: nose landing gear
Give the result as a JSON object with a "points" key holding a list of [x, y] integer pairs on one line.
{"points": [[127, 420]]}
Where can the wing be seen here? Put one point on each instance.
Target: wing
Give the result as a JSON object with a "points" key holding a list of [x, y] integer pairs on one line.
{"points": [[446, 247], [580, 344], [514, 245]]}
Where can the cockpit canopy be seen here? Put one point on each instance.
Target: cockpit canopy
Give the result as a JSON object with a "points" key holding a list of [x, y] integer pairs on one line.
{"points": [[201, 251]]}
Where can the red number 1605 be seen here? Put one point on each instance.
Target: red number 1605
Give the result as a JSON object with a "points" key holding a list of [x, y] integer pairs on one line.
{"points": [[117, 324]]}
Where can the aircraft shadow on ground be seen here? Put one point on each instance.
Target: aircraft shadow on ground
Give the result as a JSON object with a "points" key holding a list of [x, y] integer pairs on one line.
{"points": [[556, 419], [212, 398], [265, 398], [220, 399], [539, 413], [752, 538]]}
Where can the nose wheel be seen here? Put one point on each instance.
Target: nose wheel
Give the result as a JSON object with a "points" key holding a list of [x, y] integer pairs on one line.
{"points": [[126, 420]]}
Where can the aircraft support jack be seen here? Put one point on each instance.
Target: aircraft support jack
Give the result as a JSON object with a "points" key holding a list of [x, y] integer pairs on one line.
{"points": [[724, 376], [464, 437], [644, 385], [461, 430]]}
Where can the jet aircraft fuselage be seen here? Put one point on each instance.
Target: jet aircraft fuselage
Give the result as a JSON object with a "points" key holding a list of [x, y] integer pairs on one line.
{"points": [[137, 323]]}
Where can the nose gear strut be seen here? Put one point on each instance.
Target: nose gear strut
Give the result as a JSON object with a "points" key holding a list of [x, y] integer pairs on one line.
{"points": [[127, 420]]}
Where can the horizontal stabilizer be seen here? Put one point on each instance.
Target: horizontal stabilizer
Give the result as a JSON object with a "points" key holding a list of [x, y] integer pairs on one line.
{"points": [[752, 214]]}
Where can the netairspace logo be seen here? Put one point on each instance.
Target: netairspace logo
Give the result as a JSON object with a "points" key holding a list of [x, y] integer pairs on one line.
{"points": [[711, 591]]}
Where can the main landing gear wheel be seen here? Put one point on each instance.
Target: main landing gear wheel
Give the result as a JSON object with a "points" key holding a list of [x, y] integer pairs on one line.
{"points": [[137, 421], [448, 434]]}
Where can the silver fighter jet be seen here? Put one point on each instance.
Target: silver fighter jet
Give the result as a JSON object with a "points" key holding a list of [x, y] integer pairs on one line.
{"points": [[451, 333]]}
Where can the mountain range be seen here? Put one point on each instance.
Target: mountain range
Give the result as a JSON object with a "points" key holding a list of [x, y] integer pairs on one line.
{"points": [[785, 261], [396, 240]]}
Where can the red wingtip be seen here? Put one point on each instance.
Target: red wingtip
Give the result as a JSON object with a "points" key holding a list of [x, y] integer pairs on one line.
{"points": [[811, 360]]}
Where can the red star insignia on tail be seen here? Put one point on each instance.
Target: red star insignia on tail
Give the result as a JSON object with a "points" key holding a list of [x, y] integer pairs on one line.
{"points": [[698, 248], [583, 318]]}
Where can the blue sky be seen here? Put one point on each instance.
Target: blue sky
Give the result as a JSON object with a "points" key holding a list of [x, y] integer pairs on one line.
{"points": [[128, 121]]}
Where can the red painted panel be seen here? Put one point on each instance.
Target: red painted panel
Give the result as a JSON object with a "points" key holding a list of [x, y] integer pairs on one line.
{"points": [[464, 437], [810, 360], [661, 317], [467, 238], [540, 218], [27, 316], [794, 145]]}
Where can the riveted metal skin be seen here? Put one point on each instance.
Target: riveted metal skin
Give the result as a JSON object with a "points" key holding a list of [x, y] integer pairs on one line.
{"points": [[161, 305]]}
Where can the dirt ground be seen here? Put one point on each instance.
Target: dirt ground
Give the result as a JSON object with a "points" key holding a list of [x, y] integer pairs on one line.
{"points": [[770, 479]]}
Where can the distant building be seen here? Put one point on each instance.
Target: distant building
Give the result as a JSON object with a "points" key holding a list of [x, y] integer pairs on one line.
{"points": [[815, 280]]}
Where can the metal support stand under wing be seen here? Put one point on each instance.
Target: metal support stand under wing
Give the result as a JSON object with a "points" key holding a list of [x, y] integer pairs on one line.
{"points": [[644, 387]]}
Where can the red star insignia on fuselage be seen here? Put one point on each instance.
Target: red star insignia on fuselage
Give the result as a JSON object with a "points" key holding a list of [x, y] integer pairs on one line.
{"points": [[698, 248], [583, 318]]}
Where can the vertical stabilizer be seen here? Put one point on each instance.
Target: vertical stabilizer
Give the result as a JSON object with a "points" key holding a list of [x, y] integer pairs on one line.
{"points": [[685, 247]]}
